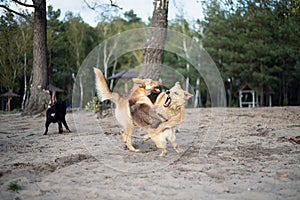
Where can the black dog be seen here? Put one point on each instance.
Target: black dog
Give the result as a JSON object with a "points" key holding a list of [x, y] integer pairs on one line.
{"points": [[57, 113]]}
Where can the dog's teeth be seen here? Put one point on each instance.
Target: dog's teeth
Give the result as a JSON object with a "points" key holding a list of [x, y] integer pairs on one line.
{"points": [[168, 101]]}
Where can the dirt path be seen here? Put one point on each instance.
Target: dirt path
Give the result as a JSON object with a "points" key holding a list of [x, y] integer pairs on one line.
{"points": [[253, 158]]}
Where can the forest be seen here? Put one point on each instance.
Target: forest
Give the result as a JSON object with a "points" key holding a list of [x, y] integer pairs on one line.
{"points": [[251, 41]]}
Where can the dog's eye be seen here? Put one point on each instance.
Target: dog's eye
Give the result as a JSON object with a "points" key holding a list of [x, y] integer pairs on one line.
{"points": [[175, 93]]}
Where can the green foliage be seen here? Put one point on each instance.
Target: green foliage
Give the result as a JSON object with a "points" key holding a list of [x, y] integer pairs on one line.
{"points": [[132, 17], [250, 41], [14, 187], [256, 42], [93, 105], [14, 35]]}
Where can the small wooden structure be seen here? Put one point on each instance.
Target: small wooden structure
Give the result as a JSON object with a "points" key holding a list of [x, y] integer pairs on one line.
{"points": [[124, 76], [247, 95], [9, 96], [53, 91]]}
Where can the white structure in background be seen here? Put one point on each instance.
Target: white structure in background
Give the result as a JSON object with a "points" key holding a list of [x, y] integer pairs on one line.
{"points": [[247, 96]]}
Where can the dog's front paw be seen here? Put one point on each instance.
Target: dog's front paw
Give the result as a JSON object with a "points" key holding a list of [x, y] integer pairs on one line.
{"points": [[163, 152], [133, 149], [178, 150], [136, 150]]}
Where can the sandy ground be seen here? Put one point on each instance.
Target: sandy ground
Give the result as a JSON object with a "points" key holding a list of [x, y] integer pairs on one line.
{"points": [[249, 156]]}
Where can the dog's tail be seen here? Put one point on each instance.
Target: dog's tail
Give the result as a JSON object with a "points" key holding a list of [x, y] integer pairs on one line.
{"points": [[102, 89]]}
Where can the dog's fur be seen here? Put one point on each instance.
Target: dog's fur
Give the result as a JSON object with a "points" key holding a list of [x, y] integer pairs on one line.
{"points": [[138, 109], [178, 98], [57, 113]]}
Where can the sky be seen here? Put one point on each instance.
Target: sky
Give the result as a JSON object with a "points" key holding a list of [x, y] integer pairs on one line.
{"points": [[190, 9]]}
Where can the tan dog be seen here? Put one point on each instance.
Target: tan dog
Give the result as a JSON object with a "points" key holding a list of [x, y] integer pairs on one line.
{"points": [[138, 109], [169, 104], [139, 102]]}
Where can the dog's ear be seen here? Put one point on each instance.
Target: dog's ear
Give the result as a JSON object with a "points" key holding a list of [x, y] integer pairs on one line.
{"points": [[139, 82], [177, 84], [187, 95], [157, 83]]}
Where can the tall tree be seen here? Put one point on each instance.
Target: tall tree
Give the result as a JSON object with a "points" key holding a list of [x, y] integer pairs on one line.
{"points": [[76, 33], [36, 99], [153, 49]]}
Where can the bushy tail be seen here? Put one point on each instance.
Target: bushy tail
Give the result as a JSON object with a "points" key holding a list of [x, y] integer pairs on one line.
{"points": [[102, 89]]}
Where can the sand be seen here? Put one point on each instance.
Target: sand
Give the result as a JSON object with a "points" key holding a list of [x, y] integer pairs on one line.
{"points": [[233, 153]]}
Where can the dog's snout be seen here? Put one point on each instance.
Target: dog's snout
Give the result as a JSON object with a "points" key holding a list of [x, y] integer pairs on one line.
{"points": [[168, 92]]}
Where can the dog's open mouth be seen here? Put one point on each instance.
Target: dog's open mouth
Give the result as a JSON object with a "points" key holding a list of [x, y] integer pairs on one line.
{"points": [[168, 100], [156, 90]]}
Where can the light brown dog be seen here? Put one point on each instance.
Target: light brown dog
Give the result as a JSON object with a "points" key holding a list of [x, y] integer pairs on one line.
{"points": [[138, 109], [138, 99], [169, 104]]}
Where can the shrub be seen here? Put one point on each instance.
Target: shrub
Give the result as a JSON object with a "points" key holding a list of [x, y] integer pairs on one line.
{"points": [[14, 187], [93, 105]]}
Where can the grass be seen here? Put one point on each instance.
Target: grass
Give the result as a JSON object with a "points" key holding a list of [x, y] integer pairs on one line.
{"points": [[14, 187], [3, 112]]}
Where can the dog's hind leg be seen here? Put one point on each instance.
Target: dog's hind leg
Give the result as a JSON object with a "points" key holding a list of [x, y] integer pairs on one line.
{"points": [[172, 138], [123, 134], [66, 125], [161, 143], [127, 137]]}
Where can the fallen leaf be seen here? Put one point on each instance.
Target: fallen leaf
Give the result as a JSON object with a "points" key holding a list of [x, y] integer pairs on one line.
{"points": [[284, 175], [295, 139]]}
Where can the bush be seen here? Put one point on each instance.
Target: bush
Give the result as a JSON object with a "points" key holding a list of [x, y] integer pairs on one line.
{"points": [[285, 102], [93, 105], [14, 187]]}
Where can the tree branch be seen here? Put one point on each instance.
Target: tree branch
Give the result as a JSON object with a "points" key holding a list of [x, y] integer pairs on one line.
{"points": [[17, 13], [115, 5], [23, 4], [88, 5], [93, 7]]}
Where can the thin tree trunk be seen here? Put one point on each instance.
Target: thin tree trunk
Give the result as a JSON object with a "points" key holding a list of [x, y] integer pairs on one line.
{"points": [[153, 50], [262, 95], [197, 95], [187, 81], [230, 93], [113, 73], [25, 82], [81, 92]]}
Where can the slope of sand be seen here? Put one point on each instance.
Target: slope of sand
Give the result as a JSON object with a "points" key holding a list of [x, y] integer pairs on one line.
{"points": [[250, 156]]}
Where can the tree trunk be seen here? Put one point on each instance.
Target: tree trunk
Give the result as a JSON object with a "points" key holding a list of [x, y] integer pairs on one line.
{"points": [[25, 82], [153, 50], [197, 95], [230, 93], [262, 95], [38, 97]]}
